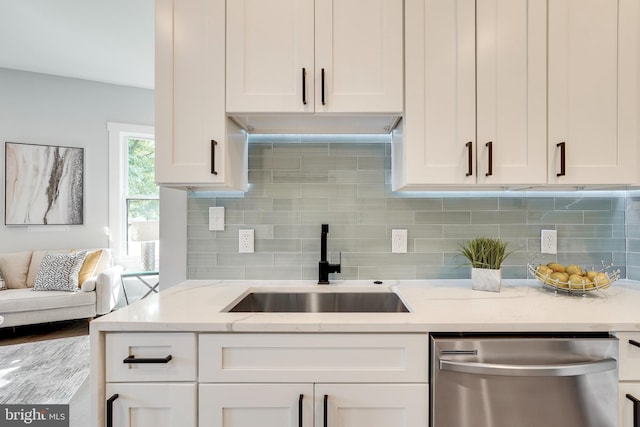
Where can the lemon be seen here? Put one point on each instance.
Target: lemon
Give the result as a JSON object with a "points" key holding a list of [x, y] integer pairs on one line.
{"points": [[556, 267], [601, 279], [576, 281], [574, 269], [543, 270], [559, 278]]}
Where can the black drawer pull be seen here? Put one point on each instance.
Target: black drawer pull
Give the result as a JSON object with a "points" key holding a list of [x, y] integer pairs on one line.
{"points": [[469, 146], [563, 155], [489, 145], [326, 410], [634, 343], [213, 157], [132, 359], [300, 410], [304, 86], [322, 86], [110, 409], [636, 411]]}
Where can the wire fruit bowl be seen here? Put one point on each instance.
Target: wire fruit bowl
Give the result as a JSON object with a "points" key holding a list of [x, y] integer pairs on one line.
{"points": [[575, 283]]}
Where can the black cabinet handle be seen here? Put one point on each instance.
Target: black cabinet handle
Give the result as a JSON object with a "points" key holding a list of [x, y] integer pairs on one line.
{"points": [[133, 359], [469, 146], [110, 409], [322, 85], [636, 411], [213, 157], [563, 154], [326, 405], [304, 86], [489, 145], [300, 410], [634, 343]]}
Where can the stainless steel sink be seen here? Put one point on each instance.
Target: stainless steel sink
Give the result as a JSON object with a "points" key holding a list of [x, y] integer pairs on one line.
{"points": [[320, 302]]}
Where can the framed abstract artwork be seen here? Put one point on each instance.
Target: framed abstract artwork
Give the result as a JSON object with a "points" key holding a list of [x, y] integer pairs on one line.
{"points": [[44, 184]]}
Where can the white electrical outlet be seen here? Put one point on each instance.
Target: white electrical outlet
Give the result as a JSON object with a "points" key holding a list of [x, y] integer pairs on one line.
{"points": [[216, 219], [399, 241], [549, 242], [245, 241]]}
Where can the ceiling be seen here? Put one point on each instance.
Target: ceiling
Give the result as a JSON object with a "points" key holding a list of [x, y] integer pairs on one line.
{"points": [[110, 41]]}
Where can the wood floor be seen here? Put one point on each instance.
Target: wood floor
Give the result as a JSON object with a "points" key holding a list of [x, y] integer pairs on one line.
{"points": [[44, 331]]}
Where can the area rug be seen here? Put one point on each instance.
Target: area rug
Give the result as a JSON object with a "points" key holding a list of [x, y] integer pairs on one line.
{"points": [[43, 372]]}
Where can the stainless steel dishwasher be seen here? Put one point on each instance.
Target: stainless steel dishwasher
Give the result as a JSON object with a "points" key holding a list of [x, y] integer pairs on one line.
{"points": [[561, 380]]}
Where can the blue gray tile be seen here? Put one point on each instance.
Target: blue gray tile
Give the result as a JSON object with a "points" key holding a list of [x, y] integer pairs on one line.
{"points": [[298, 182]]}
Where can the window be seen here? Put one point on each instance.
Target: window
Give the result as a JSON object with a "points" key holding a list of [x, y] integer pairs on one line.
{"points": [[134, 208]]}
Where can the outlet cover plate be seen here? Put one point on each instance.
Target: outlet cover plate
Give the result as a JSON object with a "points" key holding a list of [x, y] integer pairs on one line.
{"points": [[216, 218], [245, 241], [549, 242], [399, 241]]}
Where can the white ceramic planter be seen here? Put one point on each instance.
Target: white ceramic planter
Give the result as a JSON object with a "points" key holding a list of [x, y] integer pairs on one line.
{"points": [[486, 279]]}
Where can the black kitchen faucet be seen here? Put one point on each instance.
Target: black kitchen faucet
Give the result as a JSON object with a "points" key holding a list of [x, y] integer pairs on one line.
{"points": [[324, 268]]}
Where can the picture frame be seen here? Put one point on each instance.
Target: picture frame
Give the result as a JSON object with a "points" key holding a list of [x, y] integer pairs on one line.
{"points": [[44, 184]]}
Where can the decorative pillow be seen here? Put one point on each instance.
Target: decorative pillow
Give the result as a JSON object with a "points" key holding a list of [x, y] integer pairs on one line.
{"points": [[94, 263], [3, 285], [59, 272], [36, 260], [14, 267]]}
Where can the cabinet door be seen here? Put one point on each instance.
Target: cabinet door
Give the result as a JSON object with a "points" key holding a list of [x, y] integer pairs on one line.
{"points": [[629, 411], [629, 351], [269, 53], [358, 44], [195, 142], [511, 91], [250, 405], [372, 405], [593, 90], [440, 117], [152, 405]]}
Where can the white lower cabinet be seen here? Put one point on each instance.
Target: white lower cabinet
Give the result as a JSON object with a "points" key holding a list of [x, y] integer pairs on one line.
{"points": [[313, 380], [629, 375], [307, 405], [151, 379], [629, 404], [190, 379], [248, 405], [151, 404], [371, 405]]}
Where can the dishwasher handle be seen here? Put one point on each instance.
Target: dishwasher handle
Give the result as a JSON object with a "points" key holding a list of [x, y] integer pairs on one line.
{"points": [[562, 370]]}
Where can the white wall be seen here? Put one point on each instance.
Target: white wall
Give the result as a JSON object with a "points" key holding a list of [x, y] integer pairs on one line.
{"points": [[44, 109]]}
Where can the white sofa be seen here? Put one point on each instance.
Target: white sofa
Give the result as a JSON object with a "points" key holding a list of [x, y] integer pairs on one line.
{"points": [[98, 293]]}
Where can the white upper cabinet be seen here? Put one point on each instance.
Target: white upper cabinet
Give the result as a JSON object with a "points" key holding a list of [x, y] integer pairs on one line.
{"points": [[270, 56], [358, 45], [322, 56], [511, 91], [463, 127], [196, 145], [594, 49]]}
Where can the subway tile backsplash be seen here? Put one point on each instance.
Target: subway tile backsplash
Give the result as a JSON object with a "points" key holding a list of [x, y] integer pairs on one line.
{"points": [[298, 183]]}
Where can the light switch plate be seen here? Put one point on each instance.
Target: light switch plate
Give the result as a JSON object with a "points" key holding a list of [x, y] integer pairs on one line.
{"points": [[549, 242], [216, 218], [245, 241], [399, 241]]}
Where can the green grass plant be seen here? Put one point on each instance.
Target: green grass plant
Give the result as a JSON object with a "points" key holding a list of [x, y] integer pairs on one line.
{"points": [[483, 252]]}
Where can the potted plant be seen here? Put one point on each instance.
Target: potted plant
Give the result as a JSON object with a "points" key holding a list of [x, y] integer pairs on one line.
{"points": [[485, 256]]}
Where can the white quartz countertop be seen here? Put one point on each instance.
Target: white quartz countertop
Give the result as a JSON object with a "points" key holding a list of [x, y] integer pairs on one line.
{"points": [[435, 305]]}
